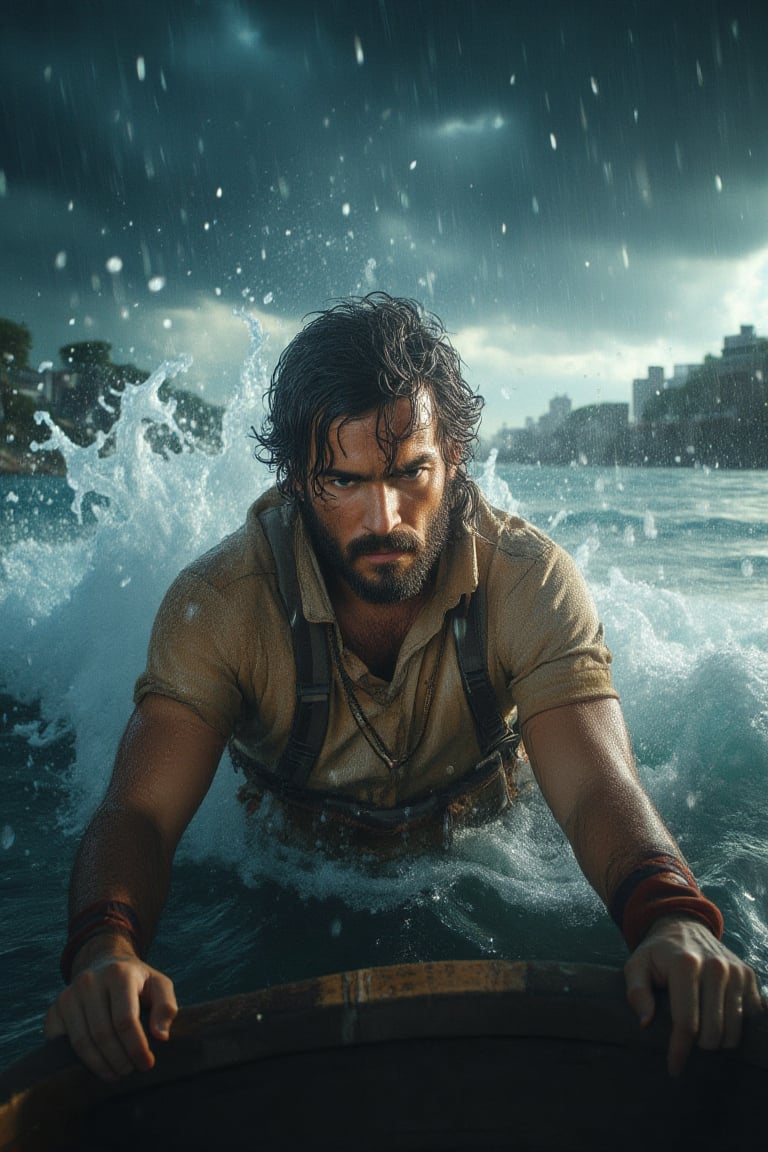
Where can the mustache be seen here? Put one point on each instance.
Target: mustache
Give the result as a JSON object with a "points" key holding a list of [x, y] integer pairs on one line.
{"points": [[392, 542]]}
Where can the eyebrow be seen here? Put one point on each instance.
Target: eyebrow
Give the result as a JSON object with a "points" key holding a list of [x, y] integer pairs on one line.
{"points": [[419, 461]]}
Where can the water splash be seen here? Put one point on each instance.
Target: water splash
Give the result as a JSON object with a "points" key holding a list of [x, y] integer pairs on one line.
{"points": [[75, 613]]}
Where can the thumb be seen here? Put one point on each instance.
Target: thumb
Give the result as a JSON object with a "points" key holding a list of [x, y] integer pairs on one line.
{"points": [[163, 1009]]}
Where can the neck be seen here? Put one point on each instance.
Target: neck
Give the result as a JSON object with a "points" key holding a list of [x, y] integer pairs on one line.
{"points": [[375, 632]]}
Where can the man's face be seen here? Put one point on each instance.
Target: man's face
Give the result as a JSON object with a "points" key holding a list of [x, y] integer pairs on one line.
{"points": [[381, 530]]}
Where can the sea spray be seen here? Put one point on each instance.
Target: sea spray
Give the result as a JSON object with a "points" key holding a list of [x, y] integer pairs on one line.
{"points": [[75, 615]]}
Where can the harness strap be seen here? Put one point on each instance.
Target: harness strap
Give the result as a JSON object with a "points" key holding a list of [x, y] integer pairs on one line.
{"points": [[313, 672], [490, 726]]}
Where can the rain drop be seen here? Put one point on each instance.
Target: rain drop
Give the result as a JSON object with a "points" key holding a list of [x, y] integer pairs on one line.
{"points": [[141, 70], [359, 55], [61, 260], [7, 837], [114, 265], [156, 284]]}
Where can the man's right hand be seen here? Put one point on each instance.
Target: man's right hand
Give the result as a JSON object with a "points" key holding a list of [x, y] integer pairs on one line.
{"points": [[100, 1010]]}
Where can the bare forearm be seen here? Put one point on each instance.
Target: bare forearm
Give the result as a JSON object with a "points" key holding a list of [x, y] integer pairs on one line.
{"points": [[610, 829], [122, 857], [583, 760]]}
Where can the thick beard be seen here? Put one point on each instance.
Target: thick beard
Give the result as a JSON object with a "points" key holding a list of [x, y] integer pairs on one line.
{"points": [[391, 585]]}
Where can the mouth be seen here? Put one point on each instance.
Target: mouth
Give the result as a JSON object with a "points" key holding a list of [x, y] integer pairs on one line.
{"points": [[390, 557]]}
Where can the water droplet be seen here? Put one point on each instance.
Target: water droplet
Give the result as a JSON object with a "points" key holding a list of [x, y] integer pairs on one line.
{"points": [[7, 837], [156, 284]]}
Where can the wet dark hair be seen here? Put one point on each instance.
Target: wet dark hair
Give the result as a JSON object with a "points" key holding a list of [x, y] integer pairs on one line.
{"points": [[360, 356]]}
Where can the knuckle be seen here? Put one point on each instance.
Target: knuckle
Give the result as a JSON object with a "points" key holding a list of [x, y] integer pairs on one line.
{"points": [[716, 968]]}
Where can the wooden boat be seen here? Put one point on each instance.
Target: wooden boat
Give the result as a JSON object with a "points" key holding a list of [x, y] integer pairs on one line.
{"points": [[454, 1055]]}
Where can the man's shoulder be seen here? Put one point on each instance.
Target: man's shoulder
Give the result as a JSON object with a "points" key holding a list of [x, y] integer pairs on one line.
{"points": [[510, 536], [245, 554]]}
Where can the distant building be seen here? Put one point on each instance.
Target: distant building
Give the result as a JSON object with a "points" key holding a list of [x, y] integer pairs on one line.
{"points": [[48, 388], [645, 389], [559, 411], [745, 346], [680, 374]]}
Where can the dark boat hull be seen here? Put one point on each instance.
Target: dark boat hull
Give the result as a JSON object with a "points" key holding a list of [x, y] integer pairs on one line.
{"points": [[464, 1055]]}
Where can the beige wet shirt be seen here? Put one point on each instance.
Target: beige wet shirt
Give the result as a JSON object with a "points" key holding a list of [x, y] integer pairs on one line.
{"points": [[221, 644]]}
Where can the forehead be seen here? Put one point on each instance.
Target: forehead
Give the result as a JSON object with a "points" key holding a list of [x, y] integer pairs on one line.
{"points": [[367, 435]]}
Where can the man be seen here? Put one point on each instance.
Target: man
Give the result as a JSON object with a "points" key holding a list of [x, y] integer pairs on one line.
{"points": [[330, 641]]}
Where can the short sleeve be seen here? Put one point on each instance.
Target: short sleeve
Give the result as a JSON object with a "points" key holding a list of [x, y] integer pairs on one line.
{"points": [[557, 653], [193, 653]]}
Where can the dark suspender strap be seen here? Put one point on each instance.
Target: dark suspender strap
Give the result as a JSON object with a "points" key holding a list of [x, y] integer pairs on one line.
{"points": [[313, 672], [491, 727]]}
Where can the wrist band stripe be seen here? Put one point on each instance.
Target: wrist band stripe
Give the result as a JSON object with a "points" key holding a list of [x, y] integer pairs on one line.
{"points": [[654, 864], [661, 886], [104, 916]]}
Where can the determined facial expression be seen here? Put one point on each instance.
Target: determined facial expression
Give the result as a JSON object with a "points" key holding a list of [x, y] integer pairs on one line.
{"points": [[381, 530]]}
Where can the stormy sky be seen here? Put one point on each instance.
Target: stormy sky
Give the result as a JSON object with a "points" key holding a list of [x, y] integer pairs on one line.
{"points": [[579, 188]]}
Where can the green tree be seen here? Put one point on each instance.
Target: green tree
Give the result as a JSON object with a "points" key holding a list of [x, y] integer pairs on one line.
{"points": [[86, 356], [15, 347]]}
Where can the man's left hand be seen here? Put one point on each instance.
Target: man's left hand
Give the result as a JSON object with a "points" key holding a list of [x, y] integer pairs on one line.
{"points": [[710, 990]]}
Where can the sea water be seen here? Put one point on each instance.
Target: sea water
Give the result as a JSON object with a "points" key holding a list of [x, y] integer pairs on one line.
{"points": [[677, 561]]}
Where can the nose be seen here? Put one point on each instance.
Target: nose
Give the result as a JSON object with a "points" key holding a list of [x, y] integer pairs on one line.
{"points": [[382, 509]]}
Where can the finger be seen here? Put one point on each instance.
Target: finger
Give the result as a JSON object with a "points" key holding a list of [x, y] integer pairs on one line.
{"points": [[754, 1004], [733, 1019], [715, 975], [98, 1010], [75, 1025], [126, 1023], [683, 987], [159, 993], [640, 992]]}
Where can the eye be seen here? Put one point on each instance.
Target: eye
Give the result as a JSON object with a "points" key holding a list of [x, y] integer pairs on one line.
{"points": [[414, 473], [341, 483]]}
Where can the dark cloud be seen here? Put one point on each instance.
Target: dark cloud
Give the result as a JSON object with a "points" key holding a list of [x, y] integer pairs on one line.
{"points": [[561, 167]]}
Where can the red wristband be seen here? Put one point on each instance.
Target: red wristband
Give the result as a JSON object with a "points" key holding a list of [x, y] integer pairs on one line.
{"points": [[104, 916], [662, 885]]}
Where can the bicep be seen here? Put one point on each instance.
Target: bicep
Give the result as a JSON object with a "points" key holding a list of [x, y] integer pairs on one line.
{"points": [[165, 764]]}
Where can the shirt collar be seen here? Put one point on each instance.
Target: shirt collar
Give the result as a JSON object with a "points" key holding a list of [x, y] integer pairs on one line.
{"points": [[457, 576]]}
